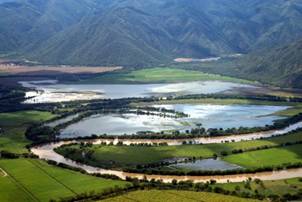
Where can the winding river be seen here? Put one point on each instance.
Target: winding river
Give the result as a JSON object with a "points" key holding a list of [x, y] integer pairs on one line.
{"points": [[47, 152]]}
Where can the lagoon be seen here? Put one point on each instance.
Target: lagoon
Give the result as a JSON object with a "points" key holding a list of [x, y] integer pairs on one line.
{"points": [[206, 165], [51, 91], [210, 116]]}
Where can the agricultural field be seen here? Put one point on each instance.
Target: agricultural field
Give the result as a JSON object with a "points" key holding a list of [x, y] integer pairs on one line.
{"points": [[175, 196], [123, 156], [35, 180], [267, 157], [276, 187], [159, 75], [13, 127]]}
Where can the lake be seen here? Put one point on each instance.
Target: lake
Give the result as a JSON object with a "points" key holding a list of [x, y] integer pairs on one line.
{"points": [[211, 116], [227, 116], [51, 91], [206, 165]]}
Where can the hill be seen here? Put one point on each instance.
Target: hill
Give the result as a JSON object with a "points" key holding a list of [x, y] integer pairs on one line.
{"points": [[139, 33], [280, 66]]}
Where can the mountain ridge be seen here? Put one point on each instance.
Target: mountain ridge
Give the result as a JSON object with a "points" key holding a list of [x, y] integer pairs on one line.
{"points": [[139, 34]]}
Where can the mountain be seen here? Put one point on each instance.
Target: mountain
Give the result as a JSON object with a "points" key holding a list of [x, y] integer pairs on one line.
{"points": [[139, 33], [26, 24], [280, 66]]}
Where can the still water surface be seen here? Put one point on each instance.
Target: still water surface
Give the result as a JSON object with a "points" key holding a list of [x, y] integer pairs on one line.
{"points": [[211, 116]]}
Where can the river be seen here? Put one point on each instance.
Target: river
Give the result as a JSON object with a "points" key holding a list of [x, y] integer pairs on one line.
{"points": [[47, 152]]}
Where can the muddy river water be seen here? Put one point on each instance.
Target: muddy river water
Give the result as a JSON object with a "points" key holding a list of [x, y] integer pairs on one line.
{"points": [[47, 152]]}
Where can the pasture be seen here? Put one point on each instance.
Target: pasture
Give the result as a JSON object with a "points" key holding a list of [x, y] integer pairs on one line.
{"points": [[175, 196], [159, 75], [13, 126], [123, 156], [35, 180], [267, 157]]}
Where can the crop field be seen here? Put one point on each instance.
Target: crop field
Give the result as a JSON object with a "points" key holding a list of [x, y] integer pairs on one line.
{"points": [[120, 156], [175, 196], [267, 157], [159, 75], [35, 180], [13, 126], [279, 187]]}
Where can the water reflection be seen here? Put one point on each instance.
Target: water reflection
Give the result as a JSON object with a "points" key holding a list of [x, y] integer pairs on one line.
{"points": [[211, 116], [50, 91]]}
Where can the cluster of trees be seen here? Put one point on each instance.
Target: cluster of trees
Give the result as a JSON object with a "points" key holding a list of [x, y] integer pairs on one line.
{"points": [[41, 134], [9, 155], [83, 153], [245, 191], [213, 172], [271, 98]]}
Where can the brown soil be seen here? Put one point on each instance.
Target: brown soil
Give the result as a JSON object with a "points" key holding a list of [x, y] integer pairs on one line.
{"points": [[52, 70]]}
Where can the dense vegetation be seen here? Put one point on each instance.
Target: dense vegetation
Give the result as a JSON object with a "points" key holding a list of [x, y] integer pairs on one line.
{"points": [[14, 125], [95, 32], [144, 156], [279, 66]]}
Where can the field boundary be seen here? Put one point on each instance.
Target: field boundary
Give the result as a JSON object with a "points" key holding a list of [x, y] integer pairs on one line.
{"points": [[52, 177], [4, 174], [21, 186]]}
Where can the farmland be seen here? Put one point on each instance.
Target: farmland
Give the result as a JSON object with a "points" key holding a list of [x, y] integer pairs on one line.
{"points": [[175, 196], [159, 75], [268, 157], [123, 156], [14, 125], [35, 180]]}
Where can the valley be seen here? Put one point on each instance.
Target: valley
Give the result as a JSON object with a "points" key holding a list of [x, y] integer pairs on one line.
{"points": [[175, 100]]}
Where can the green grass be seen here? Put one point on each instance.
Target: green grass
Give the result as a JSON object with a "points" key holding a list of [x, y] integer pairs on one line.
{"points": [[268, 157], [14, 126], [124, 156], [175, 196], [159, 75], [294, 110], [34, 180], [279, 187]]}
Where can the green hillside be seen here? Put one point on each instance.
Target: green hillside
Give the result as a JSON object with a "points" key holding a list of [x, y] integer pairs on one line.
{"points": [[137, 33]]}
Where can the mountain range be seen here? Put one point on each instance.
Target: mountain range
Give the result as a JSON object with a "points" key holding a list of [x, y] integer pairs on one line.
{"points": [[280, 66], [139, 33]]}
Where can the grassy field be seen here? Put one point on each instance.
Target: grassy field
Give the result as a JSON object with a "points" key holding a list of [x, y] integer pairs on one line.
{"points": [[175, 196], [14, 124], [159, 75], [34, 180], [123, 156], [268, 157], [279, 187]]}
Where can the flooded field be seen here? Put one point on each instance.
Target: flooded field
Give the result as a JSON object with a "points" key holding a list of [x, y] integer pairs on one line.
{"points": [[51, 91], [211, 116], [206, 164]]}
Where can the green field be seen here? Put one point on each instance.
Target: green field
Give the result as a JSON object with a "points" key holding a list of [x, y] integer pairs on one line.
{"points": [[159, 75], [34, 180], [175, 196], [268, 157], [14, 125], [123, 156], [279, 187]]}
